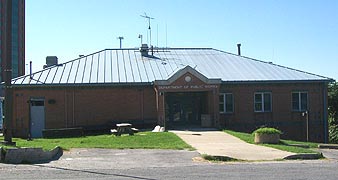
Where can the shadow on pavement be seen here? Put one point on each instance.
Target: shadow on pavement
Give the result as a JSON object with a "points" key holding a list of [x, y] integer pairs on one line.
{"points": [[193, 129], [93, 172]]}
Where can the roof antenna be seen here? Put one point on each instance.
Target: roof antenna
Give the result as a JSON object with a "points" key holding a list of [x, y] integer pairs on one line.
{"points": [[31, 74], [148, 17], [120, 38], [157, 36], [140, 37], [166, 35], [30, 70]]}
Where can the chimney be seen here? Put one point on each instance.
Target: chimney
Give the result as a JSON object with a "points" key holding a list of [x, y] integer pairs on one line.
{"points": [[50, 61], [239, 49], [152, 50], [144, 50]]}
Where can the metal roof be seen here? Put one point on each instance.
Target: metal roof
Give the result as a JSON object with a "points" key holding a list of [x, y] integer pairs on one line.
{"points": [[119, 66]]}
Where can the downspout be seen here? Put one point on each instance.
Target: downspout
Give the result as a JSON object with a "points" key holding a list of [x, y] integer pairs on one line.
{"points": [[29, 120], [163, 117], [156, 93], [66, 117], [216, 123], [74, 108], [325, 119], [142, 104]]}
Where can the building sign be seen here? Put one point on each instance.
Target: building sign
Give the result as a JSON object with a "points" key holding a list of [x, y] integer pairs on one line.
{"points": [[186, 87]]}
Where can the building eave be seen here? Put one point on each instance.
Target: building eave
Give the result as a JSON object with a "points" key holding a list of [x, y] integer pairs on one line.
{"points": [[278, 81], [67, 85]]}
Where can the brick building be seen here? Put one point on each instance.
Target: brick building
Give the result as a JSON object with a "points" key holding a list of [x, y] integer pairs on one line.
{"points": [[172, 87], [18, 37]]}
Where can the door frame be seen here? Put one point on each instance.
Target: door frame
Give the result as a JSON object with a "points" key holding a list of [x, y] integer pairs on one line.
{"points": [[183, 99], [30, 113]]}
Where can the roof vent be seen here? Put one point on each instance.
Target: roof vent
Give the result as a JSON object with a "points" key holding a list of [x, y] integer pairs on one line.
{"points": [[144, 50], [239, 49], [50, 61]]}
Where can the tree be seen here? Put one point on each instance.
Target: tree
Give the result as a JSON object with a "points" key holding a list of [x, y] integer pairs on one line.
{"points": [[333, 112]]}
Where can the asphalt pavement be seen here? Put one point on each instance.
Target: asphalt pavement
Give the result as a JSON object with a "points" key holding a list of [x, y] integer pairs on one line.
{"points": [[124, 158], [165, 164], [143, 164]]}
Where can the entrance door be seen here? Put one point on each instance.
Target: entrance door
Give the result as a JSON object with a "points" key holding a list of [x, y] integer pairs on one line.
{"points": [[184, 109], [37, 108]]}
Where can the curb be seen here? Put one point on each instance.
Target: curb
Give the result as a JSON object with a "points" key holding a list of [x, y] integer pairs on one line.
{"points": [[304, 156], [300, 145], [29, 155], [328, 146]]}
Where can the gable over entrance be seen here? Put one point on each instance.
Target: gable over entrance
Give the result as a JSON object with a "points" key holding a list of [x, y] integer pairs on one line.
{"points": [[187, 98], [187, 79]]}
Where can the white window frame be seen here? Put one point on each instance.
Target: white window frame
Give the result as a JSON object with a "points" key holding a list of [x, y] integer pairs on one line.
{"points": [[263, 105], [299, 109], [224, 103]]}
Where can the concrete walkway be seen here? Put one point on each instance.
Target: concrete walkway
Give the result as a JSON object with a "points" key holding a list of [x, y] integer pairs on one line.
{"points": [[218, 143]]}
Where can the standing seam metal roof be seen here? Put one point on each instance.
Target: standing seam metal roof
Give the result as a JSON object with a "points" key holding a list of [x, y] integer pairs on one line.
{"points": [[129, 66]]}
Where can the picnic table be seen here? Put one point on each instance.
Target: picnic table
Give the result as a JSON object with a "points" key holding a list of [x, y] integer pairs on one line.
{"points": [[124, 128]]}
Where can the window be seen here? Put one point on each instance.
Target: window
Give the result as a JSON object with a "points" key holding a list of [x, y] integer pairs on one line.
{"points": [[299, 101], [37, 103], [226, 103], [263, 102]]}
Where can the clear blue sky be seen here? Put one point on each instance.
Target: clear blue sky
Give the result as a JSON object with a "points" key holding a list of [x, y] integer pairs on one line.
{"points": [[300, 34]]}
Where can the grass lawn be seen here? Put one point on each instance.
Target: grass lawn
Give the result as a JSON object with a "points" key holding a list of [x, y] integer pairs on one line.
{"points": [[283, 145], [141, 140]]}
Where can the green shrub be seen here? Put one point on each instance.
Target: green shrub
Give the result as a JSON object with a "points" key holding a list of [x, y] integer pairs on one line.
{"points": [[267, 130], [333, 134], [333, 112]]}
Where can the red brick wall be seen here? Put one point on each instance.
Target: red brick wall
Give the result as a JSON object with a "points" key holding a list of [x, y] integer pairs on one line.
{"points": [[291, 123], [83, 106]]}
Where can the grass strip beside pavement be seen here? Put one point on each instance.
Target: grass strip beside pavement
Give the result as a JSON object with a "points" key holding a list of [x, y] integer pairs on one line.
{"points": [[284, 145], [141, 140]]}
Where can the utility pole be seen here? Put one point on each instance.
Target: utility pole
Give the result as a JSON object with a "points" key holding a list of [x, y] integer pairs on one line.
{"points": [[7, 73], [120, 38]]}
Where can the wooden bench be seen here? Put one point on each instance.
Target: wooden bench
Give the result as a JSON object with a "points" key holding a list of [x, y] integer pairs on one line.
{"points": [[63, 132]]}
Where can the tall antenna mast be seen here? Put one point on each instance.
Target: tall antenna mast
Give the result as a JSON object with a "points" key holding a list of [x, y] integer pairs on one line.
{"points": [[149, 18], [166, 35]]}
